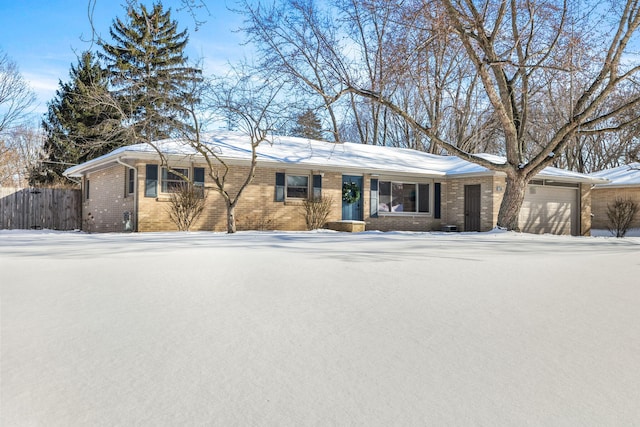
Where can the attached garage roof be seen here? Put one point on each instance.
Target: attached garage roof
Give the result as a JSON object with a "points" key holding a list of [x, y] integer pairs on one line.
{"points": [[622, 176], [320, 155]]}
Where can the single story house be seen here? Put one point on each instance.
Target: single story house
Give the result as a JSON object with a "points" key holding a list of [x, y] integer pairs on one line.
{"points": [[624, 183], [390, 188]]}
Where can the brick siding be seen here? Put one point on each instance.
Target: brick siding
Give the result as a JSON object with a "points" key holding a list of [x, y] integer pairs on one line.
{"points": [[490, 199], [601, 198], [402, 221], [258, 209], [586, 206], [108, 201]]}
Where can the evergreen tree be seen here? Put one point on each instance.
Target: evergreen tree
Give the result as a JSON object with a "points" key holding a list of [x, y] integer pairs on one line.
{"points": [[308, 126], [76, 129], [148, 72]]}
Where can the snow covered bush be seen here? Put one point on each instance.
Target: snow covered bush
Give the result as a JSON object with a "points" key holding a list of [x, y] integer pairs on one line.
{"points": [[316, 211], [620, 214]]}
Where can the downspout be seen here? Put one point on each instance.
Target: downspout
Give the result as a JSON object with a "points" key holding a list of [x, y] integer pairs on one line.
{"points": [[135, 191]]}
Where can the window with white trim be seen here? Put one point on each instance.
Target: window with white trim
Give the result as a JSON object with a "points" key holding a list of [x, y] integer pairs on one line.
{"points": [[403, 197], [297, 186], [173, 180]]}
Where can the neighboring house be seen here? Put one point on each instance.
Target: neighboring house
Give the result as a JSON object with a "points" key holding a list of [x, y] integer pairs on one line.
{"points": [[399, 189], [624, 183]]}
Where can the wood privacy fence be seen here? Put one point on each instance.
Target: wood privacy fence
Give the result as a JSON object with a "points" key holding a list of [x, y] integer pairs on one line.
{"points": [[37, 208]]}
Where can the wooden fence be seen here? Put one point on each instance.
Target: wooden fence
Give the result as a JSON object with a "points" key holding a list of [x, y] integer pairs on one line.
{"points": [[38, 208]]}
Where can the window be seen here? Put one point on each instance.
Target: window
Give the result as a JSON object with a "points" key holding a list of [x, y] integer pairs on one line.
{"points": [[297, 187], [373, 193], [86, 189], [317, 186], [198, 180], [151, 181], [279, 187], [396, 197], [131, 181], [174, 179]]}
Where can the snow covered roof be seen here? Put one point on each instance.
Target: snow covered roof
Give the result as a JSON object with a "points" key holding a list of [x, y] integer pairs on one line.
{"points": [[319, 155], [622, 176]]}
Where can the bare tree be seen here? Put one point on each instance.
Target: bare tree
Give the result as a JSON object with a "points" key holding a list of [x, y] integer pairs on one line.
{"points": [[250, 104], [392, 47], [516, 50], [296, 37], [369, 26], [253, 105], [28, 143], [19, 155], [598, 151], [16, 98], [439, 84], [621, 213], [9, 161]]}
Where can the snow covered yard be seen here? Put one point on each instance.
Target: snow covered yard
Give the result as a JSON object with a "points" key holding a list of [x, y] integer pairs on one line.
{"points": [[294, 329]]}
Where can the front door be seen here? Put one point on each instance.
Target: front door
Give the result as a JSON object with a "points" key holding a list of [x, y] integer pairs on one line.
{"points": [[351, 197], [472, 207]]}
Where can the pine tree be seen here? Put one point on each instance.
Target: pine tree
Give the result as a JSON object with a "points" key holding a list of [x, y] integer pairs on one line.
{"points": [[75, 129], [148, 72], [308, 126]]}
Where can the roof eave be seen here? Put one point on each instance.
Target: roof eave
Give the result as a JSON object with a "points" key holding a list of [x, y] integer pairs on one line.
{"points": [[570, 179], [112, 158], [475, 174], [613, 185]]}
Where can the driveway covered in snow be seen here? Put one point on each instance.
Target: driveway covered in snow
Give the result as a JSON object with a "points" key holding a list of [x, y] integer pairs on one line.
{"points": [[294, 329]]}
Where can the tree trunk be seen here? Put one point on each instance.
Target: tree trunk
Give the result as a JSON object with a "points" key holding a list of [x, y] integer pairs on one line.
{"points": [[512, 202], [231, 218]]}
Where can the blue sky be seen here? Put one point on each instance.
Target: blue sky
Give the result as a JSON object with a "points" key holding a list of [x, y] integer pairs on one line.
{"points": [[44, 37]]}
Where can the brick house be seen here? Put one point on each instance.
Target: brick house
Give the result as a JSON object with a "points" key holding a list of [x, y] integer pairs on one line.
{"points": [[396, 189], [623, 182]]}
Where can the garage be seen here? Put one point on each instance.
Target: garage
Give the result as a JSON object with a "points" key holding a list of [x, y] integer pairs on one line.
{"points": [[550, 207]]}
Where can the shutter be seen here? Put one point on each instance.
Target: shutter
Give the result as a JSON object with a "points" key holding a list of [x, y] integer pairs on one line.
{"points": [[198, 177], [374, 198], [423, 198], [151, 181], [436, 200], [279, 187], [317, 186]]}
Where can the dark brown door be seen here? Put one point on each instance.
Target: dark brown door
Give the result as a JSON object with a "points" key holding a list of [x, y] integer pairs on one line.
{"points": [[472, 207]]}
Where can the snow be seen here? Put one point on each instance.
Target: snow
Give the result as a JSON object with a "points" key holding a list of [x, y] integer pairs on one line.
{"points": [[318, 328], [632, 232], [320, 155], [626, 175]]}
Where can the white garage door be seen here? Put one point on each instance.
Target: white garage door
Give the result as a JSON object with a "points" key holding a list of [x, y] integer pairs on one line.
{"points": [[550, 209]]}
